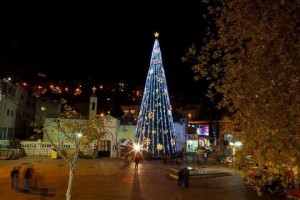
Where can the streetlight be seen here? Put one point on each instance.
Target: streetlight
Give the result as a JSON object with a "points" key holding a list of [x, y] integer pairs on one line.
{"points": [[79, 135], [136, 147]]}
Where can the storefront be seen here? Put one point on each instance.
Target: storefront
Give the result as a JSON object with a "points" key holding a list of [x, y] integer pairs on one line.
{"points": [[195, 144]]}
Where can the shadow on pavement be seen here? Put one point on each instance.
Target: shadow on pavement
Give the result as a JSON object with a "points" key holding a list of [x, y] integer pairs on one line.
{"points": [[38, 191]]}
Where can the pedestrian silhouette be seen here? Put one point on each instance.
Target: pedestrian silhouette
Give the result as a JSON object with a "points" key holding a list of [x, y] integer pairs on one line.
{"points": [[205, 156], [136, 161], [127, 160], [14, 174], [180, 178], [27, 177], [186, 177]]}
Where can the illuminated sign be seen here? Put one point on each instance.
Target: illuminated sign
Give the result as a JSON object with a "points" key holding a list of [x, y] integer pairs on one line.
{"points": [[203, 130]]}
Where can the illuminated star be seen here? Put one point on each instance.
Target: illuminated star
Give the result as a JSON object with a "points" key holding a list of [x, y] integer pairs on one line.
{"points": [[156, 61], [156, 34], [156, 51], [160, 79], [159, 146], [147, 141], [150, 115]]}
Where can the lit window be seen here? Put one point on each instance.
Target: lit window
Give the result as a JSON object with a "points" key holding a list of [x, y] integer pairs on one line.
{"points": [[43, 108]]}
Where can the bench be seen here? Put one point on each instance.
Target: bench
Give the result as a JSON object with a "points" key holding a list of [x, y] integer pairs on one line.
{"points": [[195, 174]]}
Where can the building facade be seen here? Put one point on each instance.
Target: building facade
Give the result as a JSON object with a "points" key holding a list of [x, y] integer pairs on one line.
{"points": [[16, 110]]}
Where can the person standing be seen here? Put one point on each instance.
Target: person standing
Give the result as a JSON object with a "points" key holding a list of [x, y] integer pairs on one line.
{"points": [[183, 153], [186, 177], [180, 178], [205, 156], [27, 177], [14, 174]]}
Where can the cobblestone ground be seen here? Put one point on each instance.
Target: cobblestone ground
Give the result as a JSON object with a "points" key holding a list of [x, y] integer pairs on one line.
{"points": [[106, 179]]}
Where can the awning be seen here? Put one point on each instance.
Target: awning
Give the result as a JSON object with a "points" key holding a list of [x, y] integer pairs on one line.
{"points": [[125, 143], [206, 137]]}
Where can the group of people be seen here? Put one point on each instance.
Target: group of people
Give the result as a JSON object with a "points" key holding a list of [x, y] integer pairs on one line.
{"points": [[183, 178], [15, 174]]}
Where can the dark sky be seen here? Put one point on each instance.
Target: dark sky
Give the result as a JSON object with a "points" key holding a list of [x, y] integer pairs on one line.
{"points": [[100, 39]]}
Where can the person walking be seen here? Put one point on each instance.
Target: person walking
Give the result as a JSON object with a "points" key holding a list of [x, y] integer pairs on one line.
{"points": [[180, 178], [136, 162], [14, 174]]}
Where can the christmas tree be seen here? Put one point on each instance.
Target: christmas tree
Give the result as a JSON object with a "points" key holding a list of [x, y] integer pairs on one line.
{"points": [[155, 129]]}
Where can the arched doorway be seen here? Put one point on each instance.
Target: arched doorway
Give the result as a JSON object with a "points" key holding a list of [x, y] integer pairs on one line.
{"points": [[103, 148]]}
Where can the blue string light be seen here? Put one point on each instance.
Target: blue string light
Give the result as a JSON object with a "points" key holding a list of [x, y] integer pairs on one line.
{"points": [[155, 128]]}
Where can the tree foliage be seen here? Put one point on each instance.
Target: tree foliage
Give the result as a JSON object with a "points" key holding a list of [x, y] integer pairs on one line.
{"points": [[70, 127], [251, 57]]}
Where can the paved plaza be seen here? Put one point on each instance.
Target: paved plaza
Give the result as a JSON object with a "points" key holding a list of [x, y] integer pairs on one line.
{"points": [[106, 178]]}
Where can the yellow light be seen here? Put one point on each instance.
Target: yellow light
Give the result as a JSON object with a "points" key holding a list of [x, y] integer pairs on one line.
{"points": [[147, 141], [159, 146]]}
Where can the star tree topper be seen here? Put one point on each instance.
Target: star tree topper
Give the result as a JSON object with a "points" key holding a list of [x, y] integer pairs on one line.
{"points": [[156, 34]]}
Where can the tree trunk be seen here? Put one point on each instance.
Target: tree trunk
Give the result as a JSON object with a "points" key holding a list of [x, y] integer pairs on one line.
{"points": [[70, 183], [73, 165]]}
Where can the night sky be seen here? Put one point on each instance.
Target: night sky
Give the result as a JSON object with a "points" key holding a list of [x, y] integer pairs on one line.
{"points": [[102, 40]]}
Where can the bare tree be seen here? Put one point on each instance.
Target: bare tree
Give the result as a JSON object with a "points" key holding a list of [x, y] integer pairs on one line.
{"points": [[71, 128]]}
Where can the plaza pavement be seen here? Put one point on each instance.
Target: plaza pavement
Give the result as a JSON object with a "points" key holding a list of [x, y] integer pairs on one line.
{"points": [[107, 179]]}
